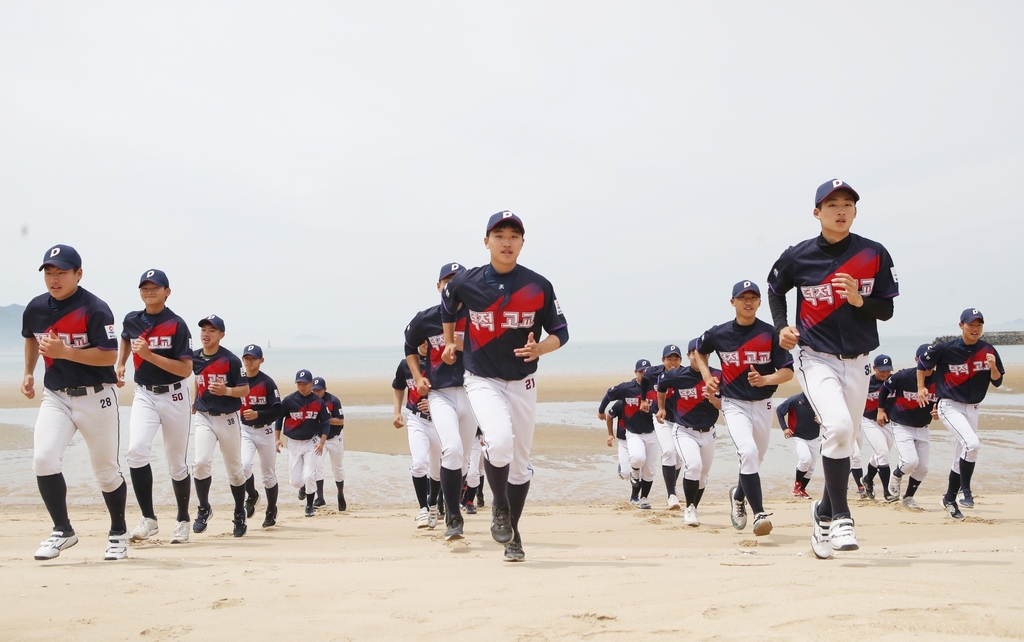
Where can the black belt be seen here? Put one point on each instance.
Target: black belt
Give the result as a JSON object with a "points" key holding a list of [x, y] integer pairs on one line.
{"points": [[851, 357], [159, 390], [215, 414], [81, 391], [708, 429]]}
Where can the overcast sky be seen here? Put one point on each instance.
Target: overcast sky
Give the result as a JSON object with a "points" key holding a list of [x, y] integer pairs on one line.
{"points": [[306, 169]]}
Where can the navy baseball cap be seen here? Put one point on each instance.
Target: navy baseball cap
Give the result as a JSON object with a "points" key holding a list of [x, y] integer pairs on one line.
{"points": [[318, 383], [501, 217], [253, 350], [156, 277], [827, 188], [448, 269], [883, 362], [303, 376], [691, 346], [745, 286], [671, 349], [971, 314], [64, 257], [642, 364], [921, 349], [213, 320]]}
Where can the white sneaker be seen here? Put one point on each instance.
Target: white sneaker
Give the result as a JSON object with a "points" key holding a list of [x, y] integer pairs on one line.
{"points": [[737, 511], [147, 528], [821, 542], [644, 503], [690, 516], [673, 503], [843, 537], [56, 543], [894, 486], [422, 517], [181, 532], [432, 517], [117, 547], [762, 525], [910, 503]]}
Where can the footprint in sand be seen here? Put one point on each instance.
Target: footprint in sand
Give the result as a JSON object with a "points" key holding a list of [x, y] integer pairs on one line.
{"points": [[224, 603]]}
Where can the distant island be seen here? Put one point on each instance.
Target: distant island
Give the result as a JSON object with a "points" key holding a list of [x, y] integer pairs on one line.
{"points": [[995, 338]]}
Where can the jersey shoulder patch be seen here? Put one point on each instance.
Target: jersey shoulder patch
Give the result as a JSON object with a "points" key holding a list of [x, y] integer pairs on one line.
{"points": [[111, 333]]}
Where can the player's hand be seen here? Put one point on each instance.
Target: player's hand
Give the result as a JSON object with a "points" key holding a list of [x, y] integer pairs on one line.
{"points": [[601, 416], [845, 286], [993, 369], [711, 386], [319, 448], [51, 347], [398, 422], [120, 376], [28, 386], [278, 444], [935, 412], [922, 398], [423, 386], [660, 416], [883, 417], [788, 432], [610, 440], [141, 347], [250, 414], [423, 405], [218, 388], [448, 354], [788, 337], [529, 352], [755, 378], [645, 405]]}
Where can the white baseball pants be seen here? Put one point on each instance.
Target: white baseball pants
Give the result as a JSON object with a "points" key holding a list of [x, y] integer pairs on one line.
{"points": [[473, 474], [962, 421], [643, 453], [171, 411], [506, 412], [696, 452], [750, 428], [806, 454], [335, 448], [262, 441], [666, 440], [912, 444], [880, 439], [223, 430], [302, 463], [623, 458], [455, 423], [837, 390], [95, 416], [424, 446]]}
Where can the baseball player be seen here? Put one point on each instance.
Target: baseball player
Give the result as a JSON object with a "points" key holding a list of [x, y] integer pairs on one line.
{"points": [[897, 405], [617, 435], [798, 423], [220, 387], [161, 348], [964, 368], [471, 487], [671, 358], [845, 283], [306, 422], [450, 409], [424, 444], [691, 412], [335, 446], [73, 331], [260, 409], [641, 441], [753, 366], [508, 306], [879, 434]]}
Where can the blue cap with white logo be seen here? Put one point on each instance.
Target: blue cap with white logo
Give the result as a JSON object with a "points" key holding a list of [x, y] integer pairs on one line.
{"points": [[745, 286], [156, 277], [449, 269], [827, 188], [214, 321], [971, 314], [642, 364], [303, 376], [253, 350], [671, 349], [63, 257], [319, 384], [501, 217], [883, 362], [691, 346]]}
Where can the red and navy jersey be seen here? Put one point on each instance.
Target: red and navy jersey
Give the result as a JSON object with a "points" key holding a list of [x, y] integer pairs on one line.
{"points": [[81, 321], [615, 410], [426, 326], [739, 347], [898, 397], [503, 310], [334, 409], [796, 414], [871, 405], [264, 398], [827, 323], [685, 403], [628, 392], [404, 381], [168, 336], [221, 366], [303, 417], [961, 371]]}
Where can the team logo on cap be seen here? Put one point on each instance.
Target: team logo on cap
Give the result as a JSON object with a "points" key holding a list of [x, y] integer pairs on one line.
{"points": [[507, 214], [746, 284], [211, 316], [302, 374], [837, 183], [673, 348], [974, 311], [247, 348], [54, 252], [150, 273], [455, 266]]}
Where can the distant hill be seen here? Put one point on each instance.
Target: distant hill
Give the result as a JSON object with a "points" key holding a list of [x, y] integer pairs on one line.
{"points": [[10, 328], [1016, 324]]}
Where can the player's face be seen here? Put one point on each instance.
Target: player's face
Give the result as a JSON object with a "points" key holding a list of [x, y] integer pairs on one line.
{"points": [[746, 305], [836, 214], [61, 283], [505, 244], [692, 356], [881, 375], [252, 364], [153, 295], [639, 375], [210, 336], [319, 393], [972, 331], [304, 388], [672, 361]]}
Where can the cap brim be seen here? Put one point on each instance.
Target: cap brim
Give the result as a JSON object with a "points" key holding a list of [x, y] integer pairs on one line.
{"points": [[757, 292], [61, 265], [522, 230], [884, 368], [841, 188]]}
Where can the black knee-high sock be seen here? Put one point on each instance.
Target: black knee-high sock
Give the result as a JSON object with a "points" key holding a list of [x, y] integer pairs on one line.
{"points": [[669, 473], [250, 487], [497, 479], [142, 483], [422, 488], [884, 473], [203, 491], [309, 499], [966, 472], [115, 501], [182, 494], [516, 501], [342, 504], [837, 474], [800, 476], [858, 476], [690, 488], [953, 487], [912, 485], [238, 492], [320, 489], [634, 490], [700, 493], [739, 494], [645, 487], [54, 491], [451, 488], [433, 490], [272, 497], [752, 490], [870, 477]]}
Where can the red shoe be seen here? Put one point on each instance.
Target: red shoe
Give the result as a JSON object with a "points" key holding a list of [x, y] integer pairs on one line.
{"points": [[798, 489], [803, 493]]}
